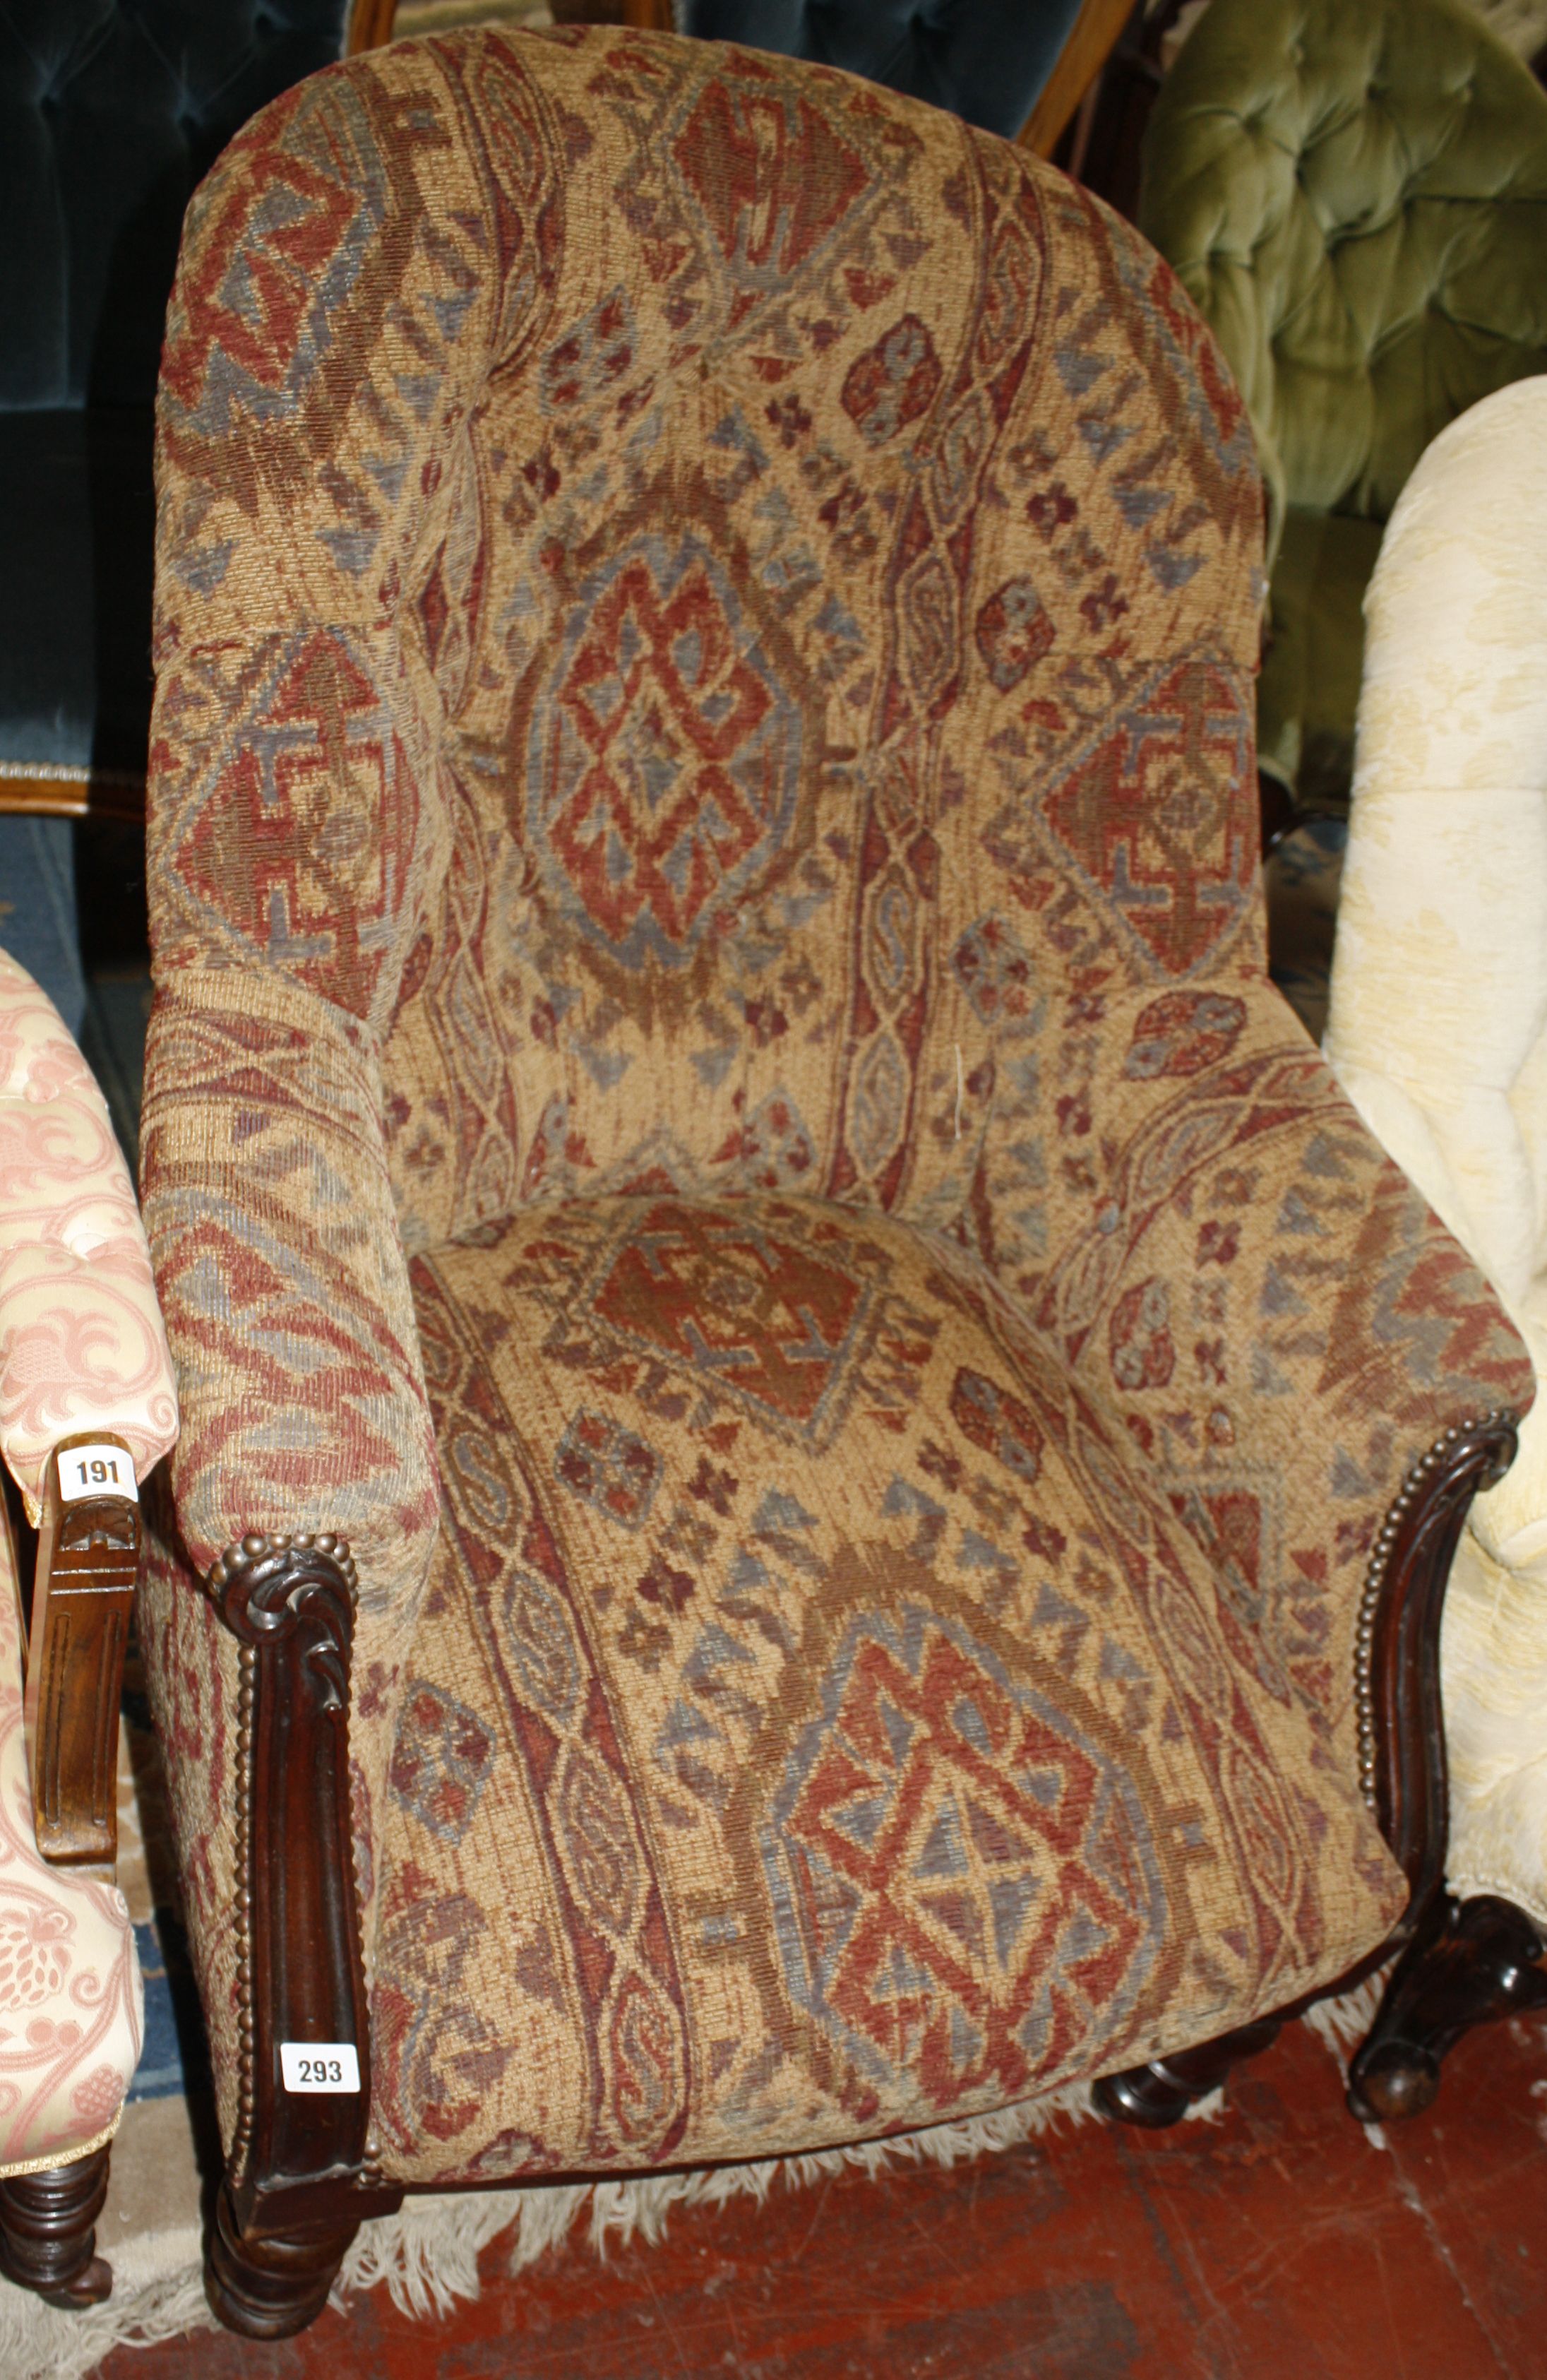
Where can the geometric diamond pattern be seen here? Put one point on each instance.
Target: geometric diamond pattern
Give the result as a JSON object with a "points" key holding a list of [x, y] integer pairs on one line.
{"points": [[960, 1877]]}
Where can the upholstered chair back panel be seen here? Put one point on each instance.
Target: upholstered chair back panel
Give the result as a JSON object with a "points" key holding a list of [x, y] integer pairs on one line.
{"points": [[737, 537], [1357, 197], [110, 111]]}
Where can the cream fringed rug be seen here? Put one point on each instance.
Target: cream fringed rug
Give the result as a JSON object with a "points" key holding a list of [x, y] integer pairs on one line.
{"points": [[426, 2256]]}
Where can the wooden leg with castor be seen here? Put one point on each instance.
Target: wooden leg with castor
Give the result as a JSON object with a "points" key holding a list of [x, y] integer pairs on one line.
{"points": [[268, 2288], [1162, 2091], [48, 2232], [1470, 1962]]}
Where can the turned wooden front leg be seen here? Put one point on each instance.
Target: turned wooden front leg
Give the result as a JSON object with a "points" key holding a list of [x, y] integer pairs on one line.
{"points": [[48, 2232], [1470, 1962]]}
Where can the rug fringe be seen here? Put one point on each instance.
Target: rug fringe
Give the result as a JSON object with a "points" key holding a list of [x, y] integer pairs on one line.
{"points": [[1341, 2024], [640, 2205], [427, 2254], [156, 2297]]}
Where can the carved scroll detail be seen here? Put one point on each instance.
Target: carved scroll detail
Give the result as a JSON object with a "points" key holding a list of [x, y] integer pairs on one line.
{"points": [[290, 1603]]}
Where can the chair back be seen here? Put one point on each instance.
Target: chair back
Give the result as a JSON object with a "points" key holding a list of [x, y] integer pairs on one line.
{"points": [[638, 523], [1438, 1021]]}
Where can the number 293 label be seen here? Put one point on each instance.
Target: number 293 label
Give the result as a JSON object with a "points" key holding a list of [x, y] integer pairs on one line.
{"points": [[320, 2065]]}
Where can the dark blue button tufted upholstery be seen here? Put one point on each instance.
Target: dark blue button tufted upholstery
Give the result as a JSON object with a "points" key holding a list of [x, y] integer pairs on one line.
{"points": [[983, 60], [76, 538], [110, 111]]}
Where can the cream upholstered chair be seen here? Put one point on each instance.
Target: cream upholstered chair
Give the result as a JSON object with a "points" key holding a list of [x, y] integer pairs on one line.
{"points": [[1438, 1033], [87, 1408]]}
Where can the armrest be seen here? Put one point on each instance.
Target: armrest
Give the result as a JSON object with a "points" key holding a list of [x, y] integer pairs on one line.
{"points": [[282, 1278], [72, 2038], [1266, 1306], [82, 1342], [83, 1591], [286, 1296]]}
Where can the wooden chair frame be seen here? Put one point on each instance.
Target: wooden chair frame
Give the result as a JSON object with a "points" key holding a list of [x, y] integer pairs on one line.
{"points": [[87, 1569]]}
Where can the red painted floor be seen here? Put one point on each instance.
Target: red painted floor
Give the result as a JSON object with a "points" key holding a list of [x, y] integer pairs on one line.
{"points": [[1280, 2244]]}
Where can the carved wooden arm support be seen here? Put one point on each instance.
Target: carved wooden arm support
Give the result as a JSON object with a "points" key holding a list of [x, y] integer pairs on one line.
{"points": [[82, 1595], [1401, 1723], [1402, 1774], [290, 1603]]}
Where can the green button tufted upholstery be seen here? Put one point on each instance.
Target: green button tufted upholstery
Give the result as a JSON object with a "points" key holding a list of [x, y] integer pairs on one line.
{"points": [[1355, 194]]}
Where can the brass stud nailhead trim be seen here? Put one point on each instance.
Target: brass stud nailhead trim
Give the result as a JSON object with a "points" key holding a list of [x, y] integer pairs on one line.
{"points": [[256, 1545], [1418, 1475]]}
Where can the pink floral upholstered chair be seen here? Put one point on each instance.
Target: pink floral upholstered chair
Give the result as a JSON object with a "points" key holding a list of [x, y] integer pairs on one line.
{"points": [[87, 1408], [818, 1457]]}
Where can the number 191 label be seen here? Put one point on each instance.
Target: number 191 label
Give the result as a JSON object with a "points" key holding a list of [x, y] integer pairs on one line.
{"points": [[96, 1471], [320, 2065]]}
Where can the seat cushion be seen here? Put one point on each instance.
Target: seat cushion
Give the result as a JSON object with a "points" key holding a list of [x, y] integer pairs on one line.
{"points": [[1308, 694], [77, 555], [818, 1725], [71, 2012]]}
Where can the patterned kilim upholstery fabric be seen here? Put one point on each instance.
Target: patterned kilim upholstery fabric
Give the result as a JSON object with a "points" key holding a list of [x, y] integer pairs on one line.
{"points": [[713, 1103]]}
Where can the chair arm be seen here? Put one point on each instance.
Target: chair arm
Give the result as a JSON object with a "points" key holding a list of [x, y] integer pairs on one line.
{"points": [[283, 1279], [84, 1369], [83, 1589], [287, 1304], [1266, 1306], [69, 2049], [82, 1343]]}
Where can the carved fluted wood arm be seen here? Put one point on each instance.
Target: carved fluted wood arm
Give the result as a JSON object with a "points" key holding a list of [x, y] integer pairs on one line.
{"points": [[82, 1599]]}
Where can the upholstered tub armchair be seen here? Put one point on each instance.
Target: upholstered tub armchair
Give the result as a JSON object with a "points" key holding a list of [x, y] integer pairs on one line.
{"points": [[818, 1456], [87, 1408], [1438, 994], [1354, 193]]}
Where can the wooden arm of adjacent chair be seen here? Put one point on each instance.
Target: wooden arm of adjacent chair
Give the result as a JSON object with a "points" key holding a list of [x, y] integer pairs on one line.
{"points": [[47, 792], [1091, 40], [82, 1594]]}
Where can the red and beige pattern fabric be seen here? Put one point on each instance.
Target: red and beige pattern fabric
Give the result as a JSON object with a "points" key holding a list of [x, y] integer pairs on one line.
{"points": [[81, 1342], [713, 1101]]}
